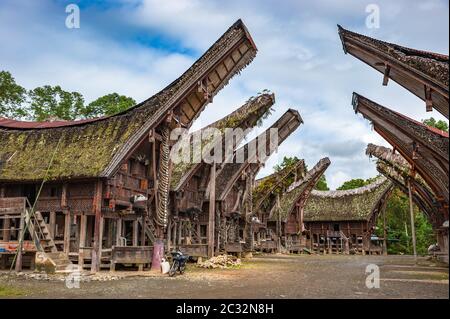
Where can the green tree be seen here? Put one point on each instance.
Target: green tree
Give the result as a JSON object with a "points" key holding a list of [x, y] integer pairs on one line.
{"points": [[287, 162], [322, 184], [49, 102], [12, 96], [52, 102], [355, 183], [108, 105], [442, 125]]}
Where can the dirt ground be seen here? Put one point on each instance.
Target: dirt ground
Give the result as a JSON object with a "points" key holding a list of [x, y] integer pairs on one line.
{"points": [[269, 276]]}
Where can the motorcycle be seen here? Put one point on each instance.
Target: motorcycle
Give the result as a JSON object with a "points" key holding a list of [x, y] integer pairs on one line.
{"points": [[179, 261]]}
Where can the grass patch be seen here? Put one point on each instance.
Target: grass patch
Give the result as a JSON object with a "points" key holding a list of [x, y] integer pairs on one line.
{"points": [[6, 291]]}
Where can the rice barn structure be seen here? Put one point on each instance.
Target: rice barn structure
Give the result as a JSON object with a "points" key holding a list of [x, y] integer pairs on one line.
{"points": [[425, 149], [96, 192], [284, 212], [232, 200], [343, 222], [189, 218], [266, 195]]}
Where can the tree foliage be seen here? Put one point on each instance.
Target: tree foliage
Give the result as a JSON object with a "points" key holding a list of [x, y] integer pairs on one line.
{"points": [[356, 183], [108, 105], [287, 162], [322, 184], [441, 125], [52, 102], [12, 96]]}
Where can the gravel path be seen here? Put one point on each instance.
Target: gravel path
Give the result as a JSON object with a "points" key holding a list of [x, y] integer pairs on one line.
{"points": [[270, 276]]}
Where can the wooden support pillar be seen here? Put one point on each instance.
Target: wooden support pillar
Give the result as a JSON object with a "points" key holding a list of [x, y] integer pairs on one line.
{"points": [[52, 224], [387, 70], [67, 224], [19, 248], [384, 233], [180, 223], [6, 229], [82, 244], [135, 232], [97, 205], [169, 235], [118, 231], [411, 213], [212, 211], [428, 99], [143, 230]]}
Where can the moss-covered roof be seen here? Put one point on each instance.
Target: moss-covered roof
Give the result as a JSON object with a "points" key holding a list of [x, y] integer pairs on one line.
{"points": [[96, 148], [348, 205], [300, 189], [276, 183], [247, 116], [230, 171], [433, 65]]}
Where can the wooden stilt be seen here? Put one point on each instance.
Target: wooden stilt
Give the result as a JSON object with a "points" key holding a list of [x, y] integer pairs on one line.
{"points": [[411, 213], [67, 224], [118, 231], [19, 248], [143, 230], [212, 211], [6, 229], [135, 232], [52, 224], [82, 245], [97, 205]]}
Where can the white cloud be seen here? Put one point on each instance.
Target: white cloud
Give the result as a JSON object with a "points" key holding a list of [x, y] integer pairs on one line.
{"points": [[300, 58]]}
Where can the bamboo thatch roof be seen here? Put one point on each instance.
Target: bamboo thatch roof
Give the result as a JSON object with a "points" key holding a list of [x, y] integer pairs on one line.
{"points": [[347, 205]]}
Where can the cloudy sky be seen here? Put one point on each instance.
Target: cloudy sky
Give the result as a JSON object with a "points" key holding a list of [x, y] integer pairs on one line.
{"points": [[136, 47]]}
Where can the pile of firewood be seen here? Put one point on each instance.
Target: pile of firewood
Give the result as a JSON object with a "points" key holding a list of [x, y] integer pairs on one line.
{"points": [[221, 262]]}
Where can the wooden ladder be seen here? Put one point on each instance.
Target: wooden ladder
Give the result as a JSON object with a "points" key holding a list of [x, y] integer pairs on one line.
{"points": [[39, 232], [149, 229]]}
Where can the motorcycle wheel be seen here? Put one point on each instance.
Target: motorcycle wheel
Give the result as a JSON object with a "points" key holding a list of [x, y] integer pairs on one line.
{"points": [[173, 269], [182, 268]]}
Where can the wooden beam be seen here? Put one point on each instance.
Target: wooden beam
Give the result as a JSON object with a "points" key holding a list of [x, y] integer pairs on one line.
{"points": [[19, 247], [135, 232], [6, 229], [428, 99], [118, 231], [52, 224], [97, 208], [67, 224], [82, 243], [387, 70], [411, 215], [212, 210]]}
